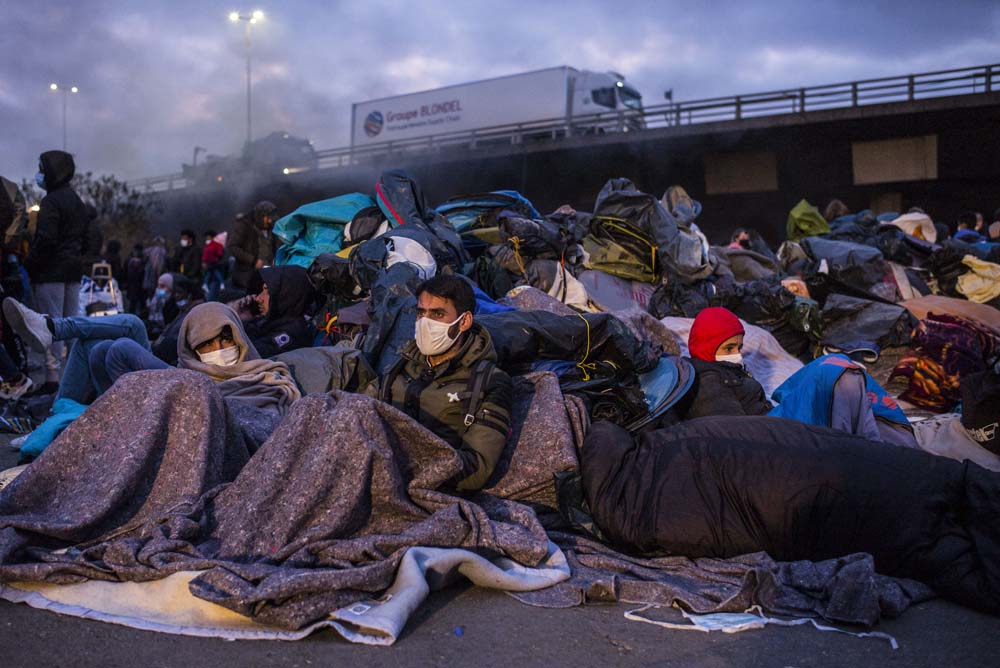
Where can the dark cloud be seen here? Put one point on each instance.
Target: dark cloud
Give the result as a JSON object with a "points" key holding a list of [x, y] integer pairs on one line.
{"points": [[158, 78]]}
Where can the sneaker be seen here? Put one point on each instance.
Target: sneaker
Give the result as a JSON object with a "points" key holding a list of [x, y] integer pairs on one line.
{"points": [[11, 391], [29, 325], [16, 443]]}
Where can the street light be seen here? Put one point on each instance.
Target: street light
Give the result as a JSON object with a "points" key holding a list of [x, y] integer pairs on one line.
{"points": [[65, 91], [250, 19]]}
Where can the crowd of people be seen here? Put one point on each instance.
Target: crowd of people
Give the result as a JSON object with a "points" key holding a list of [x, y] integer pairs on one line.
{"points": [[437, 313]]}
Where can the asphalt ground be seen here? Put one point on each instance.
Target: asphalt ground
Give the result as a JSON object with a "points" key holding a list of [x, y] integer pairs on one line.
{"points": [[469, 626]]}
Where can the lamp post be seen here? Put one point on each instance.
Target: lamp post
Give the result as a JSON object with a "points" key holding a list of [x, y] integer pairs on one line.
{"points": [[66, 90], [249, 19]]}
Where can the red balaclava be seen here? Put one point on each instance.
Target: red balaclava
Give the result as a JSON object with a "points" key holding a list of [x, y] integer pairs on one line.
{"points": [[712, 326]]}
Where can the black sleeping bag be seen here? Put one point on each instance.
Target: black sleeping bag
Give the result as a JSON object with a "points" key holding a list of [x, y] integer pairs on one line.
{"points": [[726, 486]]}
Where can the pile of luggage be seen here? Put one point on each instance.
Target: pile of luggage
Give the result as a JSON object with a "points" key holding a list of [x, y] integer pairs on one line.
{"points": [[581, 293]]}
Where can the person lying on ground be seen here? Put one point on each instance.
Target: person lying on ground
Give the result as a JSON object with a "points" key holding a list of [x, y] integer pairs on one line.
{"points": [[211, 340], [830, 391], [447, 379], [275, 312]]}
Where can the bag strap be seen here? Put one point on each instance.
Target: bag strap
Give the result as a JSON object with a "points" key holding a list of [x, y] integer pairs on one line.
{"points": [[481, 373], [385, 392]]}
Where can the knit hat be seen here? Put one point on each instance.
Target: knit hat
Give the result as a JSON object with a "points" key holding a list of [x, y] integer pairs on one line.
{"points": [[712, 326]]}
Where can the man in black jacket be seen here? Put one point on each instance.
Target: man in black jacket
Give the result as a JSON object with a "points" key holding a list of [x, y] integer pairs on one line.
{"points": [[55, 262], [251, 244], [187, 257]]}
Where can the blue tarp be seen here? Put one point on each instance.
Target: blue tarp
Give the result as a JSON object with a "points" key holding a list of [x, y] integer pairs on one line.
{"points": [[317, 227]]}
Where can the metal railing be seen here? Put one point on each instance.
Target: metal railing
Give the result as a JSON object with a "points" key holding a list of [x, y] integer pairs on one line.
{"points": [[905, 88]]}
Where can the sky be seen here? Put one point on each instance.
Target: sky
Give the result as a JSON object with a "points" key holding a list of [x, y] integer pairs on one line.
{"points": [[157, 78]]}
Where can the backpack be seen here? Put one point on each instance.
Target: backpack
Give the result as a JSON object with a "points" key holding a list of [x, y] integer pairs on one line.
{"points": [[620, 248], [482, 372]]}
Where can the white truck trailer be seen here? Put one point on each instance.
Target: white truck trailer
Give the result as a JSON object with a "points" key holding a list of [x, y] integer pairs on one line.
{"points": [[503, 106]]}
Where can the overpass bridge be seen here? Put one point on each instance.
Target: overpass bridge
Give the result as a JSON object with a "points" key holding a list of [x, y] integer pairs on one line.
{"points": [[924, 139]]}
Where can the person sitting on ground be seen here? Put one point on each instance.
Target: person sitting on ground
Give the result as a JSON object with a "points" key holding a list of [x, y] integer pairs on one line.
{"points": [[740, 239], [274, 313], [447, 379], [966, 229], [161, 307], [186, 295], [39, 331], [212, 340]]}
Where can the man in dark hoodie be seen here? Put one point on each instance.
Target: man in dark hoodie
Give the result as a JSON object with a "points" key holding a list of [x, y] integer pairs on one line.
{"points": [[187, 257], [275, 311], [251, 243], [55, 261]]}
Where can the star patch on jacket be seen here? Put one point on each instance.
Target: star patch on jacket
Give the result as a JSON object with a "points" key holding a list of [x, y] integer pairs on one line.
{"points": [[282, 340], [453, 397]]}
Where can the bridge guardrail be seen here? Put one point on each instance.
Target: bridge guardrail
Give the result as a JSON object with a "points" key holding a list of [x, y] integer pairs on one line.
{"points": [[904, 88]]}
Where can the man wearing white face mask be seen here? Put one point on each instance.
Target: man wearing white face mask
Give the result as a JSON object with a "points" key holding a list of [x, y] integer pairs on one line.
{"points": [[447, 379]]}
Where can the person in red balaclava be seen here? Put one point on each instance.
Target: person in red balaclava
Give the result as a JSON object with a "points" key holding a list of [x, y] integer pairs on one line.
{"points": [[722, 385]]}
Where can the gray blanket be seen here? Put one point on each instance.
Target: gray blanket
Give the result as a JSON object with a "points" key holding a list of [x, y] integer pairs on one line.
{"points": [[156, 477], [320, 516]]}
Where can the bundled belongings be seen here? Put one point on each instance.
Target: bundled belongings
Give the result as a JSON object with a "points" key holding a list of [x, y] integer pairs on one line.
{"points": [[848, 319], [805, 220], [475, 216], [916, 224], [724, 486], [981, 407], [982, 282], [319, 227], [946, 349], [403, 203], [854, 264], [618, 247], [689, 254]]}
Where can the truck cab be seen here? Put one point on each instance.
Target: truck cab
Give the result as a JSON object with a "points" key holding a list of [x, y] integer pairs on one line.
{"points": [[603, 102]]}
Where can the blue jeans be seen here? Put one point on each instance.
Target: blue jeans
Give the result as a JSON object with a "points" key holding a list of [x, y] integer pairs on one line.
{"points": [[77, 381], [110, 360]]}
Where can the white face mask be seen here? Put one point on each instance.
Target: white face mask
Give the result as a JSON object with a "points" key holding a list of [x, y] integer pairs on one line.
{"points": [[735, 358], [185, 243], [221, 357], [432, 336]]}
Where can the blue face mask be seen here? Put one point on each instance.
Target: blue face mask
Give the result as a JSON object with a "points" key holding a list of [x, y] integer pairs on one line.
{"points": [[40, 179], [161, 293]]}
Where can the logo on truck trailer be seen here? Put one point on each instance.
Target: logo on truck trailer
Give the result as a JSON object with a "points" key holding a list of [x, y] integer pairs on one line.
{"points": [[373, 124]]}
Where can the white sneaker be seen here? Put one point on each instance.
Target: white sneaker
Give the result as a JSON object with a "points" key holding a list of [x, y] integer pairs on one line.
{"points": [[16, 443], [30, 325], [13, 391]]}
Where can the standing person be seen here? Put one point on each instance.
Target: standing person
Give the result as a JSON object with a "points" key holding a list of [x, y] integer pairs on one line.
{"points": [[12, 216], [213, 265], [156, 263], [55, 261], [135, 272], [252, 243], [187, 257], [113, 256]]}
